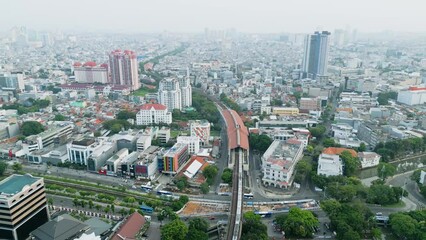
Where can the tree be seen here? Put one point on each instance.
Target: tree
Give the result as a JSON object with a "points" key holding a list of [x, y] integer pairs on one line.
{"points": [[3, 167], [250, 215], [351, 163], [385, 170], [404, 226], [260, 142], [59, 117], [197, 235], [17, 167], [227, 176], [75, 202], [300, 223], [329, 142], [362, 147], [210, 172], [317, 131], [383, 194], [124, 115], [90, 204], [175, 230], [31, 128], [182, 183], [253, 228], [204, 187], [198, 224], [310, 149]]}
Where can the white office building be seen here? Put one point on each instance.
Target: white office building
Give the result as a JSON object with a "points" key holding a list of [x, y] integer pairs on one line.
{"points": [[412, 96], [169, 94], [192, 142], [153, 114], [186, 91], [143, 142], [279, 162], [330, 165]]}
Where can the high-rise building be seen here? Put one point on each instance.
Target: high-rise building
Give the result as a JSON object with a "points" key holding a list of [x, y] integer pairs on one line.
{"points": [[186, 91], [315, 57], [23, 206], [12, 81], [123, 67], [169, 94], [89, 72]]}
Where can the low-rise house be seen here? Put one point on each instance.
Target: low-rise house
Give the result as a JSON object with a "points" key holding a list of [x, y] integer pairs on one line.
{"points": [[369, 159]]}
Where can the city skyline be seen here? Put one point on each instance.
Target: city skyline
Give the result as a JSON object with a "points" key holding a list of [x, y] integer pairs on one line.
{"points": [[153, 16]]}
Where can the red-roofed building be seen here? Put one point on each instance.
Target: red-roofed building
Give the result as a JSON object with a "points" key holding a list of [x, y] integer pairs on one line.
{"points": [[338, 151], [131, 228], [237, 136], [193, 170], [153, 113]]}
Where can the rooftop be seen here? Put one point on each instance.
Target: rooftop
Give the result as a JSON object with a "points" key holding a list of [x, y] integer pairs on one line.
{"points": [[338, 151], [130, 228], [15, 183]]}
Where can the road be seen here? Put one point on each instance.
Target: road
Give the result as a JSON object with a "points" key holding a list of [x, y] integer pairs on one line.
{"points": [[403, 180]]}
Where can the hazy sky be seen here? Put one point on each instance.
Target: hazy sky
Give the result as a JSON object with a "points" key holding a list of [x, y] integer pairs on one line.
{"points": [[195, 15]]}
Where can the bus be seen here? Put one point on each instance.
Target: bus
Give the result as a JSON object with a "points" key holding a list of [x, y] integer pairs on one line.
{"points": [[146, 188], [164, 193], [264, 214], [146, 209], [248, 195]]}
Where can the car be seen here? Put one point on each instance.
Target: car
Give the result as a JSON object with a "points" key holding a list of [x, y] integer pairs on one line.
{"points": [[379, 214], [212, 218]]}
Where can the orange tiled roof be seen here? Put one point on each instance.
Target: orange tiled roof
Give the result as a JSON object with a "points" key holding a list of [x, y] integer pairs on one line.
{"points": [[338, 151]]}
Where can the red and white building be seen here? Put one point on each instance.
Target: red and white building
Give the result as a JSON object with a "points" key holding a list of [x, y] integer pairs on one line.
{"points": [[153, 114], [90, 72], [200, 129], [123, 68]]}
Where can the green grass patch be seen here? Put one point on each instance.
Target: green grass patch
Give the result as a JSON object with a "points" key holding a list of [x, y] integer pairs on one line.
{"points": [[399, 204], [176, 133], [215, 133], [141, 92]]}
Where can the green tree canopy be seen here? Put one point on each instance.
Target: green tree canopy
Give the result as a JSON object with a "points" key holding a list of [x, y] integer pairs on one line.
{"points": [[260, 142], [198, 224], [300, 223], [3, 167], [59, 117], [31, 128], [124, 115], [317, 131], [204, 187], [385, 170], [227, 176], [406, 227], [210, 173], [253, 228], [175, 230], [351, 163], [17, 167]]}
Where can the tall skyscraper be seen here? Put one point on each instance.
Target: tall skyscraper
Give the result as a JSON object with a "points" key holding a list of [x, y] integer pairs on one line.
{"points": [[315, 57], [123, 67], [169, 94], [23, 206], [186, 90]]}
